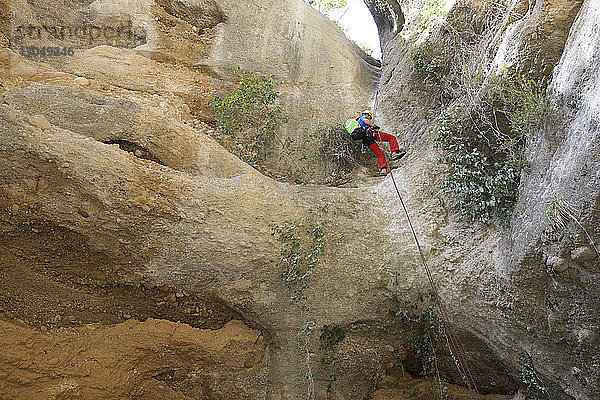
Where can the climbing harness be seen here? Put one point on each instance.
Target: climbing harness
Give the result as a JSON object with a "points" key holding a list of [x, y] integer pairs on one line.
{"points": [[455, 346]]}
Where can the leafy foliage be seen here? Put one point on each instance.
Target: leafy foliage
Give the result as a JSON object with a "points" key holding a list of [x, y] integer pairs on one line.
{"points": [[365, 48], [326, 5], [428, 14], [429, 331], [559, 212], [251, 106], [484, 187], [248, 119], [524, 103], [429, 68], [426, 331], [303, 245], [484, 147], [535, 387], [303, 340], [329, 338]]}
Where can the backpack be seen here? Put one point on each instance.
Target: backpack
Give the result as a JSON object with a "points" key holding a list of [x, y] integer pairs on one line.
{"points": [[351, 125]]}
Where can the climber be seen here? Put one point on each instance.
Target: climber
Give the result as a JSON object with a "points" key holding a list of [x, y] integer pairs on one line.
{"points": [[364, 129]]}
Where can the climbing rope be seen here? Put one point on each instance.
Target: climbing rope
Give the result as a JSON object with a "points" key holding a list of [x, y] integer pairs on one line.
{"points": [[455, 346], [453, 340]]}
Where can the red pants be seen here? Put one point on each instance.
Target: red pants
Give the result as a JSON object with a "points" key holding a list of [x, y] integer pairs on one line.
{"points": [[384, 137]]}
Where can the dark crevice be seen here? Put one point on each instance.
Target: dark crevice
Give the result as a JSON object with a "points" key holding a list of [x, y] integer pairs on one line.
{"points": [[53, 279], [185, 382], [136, 150]]}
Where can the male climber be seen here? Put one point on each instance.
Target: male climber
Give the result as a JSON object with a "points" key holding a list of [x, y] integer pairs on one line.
{"points": [[369, 133]]}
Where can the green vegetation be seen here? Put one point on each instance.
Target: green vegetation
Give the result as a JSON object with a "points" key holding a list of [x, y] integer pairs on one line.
{"points": [[248, 120], [365, 48], [326, 5], [559, 212], [429, 13], [429, 68], [484, 185], [328, 155], [303, 341], [430, 331], [406, 310], [524, 102], [535, 388], [338, 154], [444, 46], [429, 64], [329, 338], [426, 330], [484, 147], [483, 136], [303, 245], [250, 107]]}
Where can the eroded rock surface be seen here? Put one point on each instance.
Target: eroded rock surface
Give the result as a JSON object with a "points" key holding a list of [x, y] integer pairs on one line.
{"points": [[186, 52], [154, 359], [519, 288], [117, 206]]}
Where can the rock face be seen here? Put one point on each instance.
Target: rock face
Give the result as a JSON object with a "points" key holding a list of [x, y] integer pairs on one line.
{"points": [[208, 235], [94, 240], [119, 209], [189, 51], [90, 362], [501, 286]]}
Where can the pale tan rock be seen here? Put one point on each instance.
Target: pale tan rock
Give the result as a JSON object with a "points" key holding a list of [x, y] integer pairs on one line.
{"points": [[235, 207], [583, 253], [311, 89], [41, 185], [12, 117], [186, 109], [81, 81], [208, 217], [173, 143], [53, 361], [559, 264], [40, 122]]}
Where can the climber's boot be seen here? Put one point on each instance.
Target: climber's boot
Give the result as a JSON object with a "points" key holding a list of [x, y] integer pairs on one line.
{"points": [[398, 154]]}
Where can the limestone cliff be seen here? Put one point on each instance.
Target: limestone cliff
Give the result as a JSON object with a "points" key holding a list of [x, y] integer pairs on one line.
{"points": [[528, 289], [187, 52], [117, 205]]}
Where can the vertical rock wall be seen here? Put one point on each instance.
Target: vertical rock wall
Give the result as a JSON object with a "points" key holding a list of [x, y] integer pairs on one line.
{"points": [[531, 289]]}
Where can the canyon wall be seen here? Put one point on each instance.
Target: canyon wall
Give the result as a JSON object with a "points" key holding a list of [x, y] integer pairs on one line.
{"points": [[122, 218]]}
